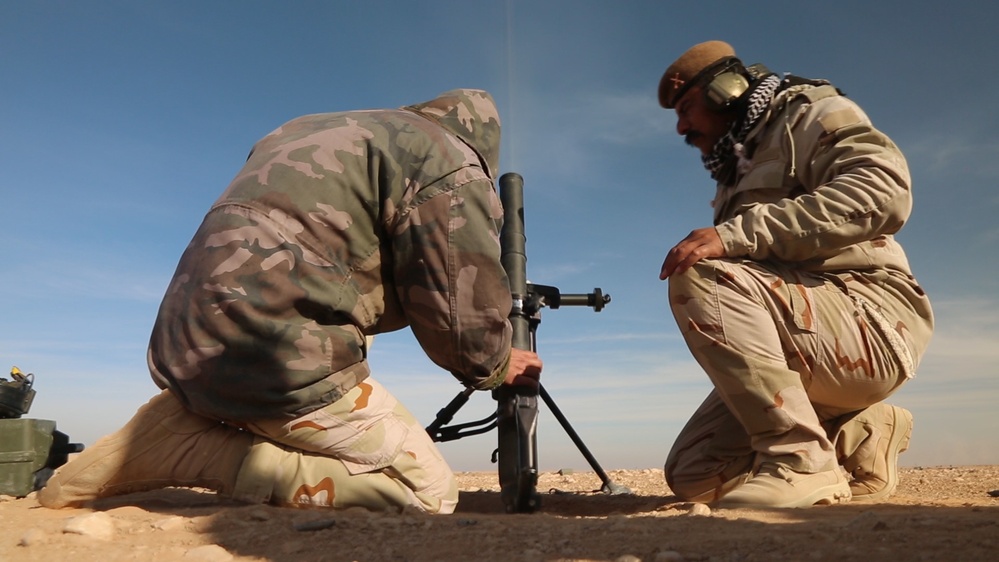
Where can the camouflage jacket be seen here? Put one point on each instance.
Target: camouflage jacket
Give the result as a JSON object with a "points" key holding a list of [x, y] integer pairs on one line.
{"points": [[825, 191], [341, 225]]}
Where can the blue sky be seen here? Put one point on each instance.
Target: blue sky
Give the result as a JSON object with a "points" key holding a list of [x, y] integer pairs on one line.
{"points": [[121, 122]]}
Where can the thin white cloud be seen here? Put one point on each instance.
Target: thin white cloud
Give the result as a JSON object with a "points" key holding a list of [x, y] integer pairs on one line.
{"points": [[941, 152], [579, 128], [622, 118], [96, 275], [990, 236]]}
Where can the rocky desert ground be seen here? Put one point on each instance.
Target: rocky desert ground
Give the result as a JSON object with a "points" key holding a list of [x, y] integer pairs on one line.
{"points": [[938, 513]]}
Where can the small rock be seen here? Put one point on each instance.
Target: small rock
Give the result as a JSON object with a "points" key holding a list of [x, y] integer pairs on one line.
{"points": [[96, 525], [699, 509], [126, 512], [208, 553], [260, 515], [170, 523]]}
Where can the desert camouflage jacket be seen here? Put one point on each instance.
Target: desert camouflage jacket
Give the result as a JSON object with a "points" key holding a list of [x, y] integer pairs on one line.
{"points": [[824, 190], [341, 225]]}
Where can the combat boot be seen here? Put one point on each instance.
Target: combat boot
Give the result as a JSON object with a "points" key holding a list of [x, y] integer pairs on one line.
{"points": [[883, 432], [775, 485], [163, 445]]}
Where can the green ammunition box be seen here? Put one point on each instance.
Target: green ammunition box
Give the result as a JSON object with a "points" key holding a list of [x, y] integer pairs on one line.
{"points": [[25, 448]]}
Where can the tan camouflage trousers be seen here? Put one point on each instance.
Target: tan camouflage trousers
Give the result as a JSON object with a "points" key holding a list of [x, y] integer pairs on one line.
{"points": [[788, 354], [365, 449]]}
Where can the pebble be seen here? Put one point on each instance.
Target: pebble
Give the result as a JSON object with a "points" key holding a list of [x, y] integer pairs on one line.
{"points": [[96, 525], [260, 515], [208, 553], [699, 509], [170, 523]]}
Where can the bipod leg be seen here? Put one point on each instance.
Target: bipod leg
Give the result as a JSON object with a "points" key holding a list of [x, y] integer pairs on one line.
{"points": [[609, 486], [446, 414]]}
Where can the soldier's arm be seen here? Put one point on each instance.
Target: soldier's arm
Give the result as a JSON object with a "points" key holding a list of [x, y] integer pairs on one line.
{"points": [[451, 282], [856, 184]]}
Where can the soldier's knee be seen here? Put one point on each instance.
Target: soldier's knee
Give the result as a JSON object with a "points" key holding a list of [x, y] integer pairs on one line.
{"points": [[685, 488], [693, 474], [675, 478], [698, 278], [693, 288]]}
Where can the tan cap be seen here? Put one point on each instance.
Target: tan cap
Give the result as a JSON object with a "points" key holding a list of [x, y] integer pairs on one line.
{"points": [[685, 71]]}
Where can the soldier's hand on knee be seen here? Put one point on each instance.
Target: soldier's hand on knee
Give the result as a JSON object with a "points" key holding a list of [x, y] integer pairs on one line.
{"points": [[699, 244]]}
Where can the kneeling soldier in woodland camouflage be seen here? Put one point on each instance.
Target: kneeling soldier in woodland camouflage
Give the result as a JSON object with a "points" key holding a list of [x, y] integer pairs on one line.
{"points": [[340, 226]]}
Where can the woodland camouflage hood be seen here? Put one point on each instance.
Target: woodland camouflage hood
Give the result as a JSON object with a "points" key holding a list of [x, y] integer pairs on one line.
{"points": [[470, 114]]}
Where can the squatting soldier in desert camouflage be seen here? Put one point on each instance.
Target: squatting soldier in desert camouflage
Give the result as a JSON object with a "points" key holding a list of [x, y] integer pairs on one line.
{"points": [[798, 303], [340, 226]]}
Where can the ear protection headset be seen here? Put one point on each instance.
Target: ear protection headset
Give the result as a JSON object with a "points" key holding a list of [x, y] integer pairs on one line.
{"points": [[730, 84]]}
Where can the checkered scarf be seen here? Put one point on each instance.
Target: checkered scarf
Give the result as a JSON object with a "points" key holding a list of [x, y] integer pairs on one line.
{"points": [[723, 160]]}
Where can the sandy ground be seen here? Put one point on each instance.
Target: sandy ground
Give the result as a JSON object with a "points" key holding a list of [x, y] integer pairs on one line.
{"points": [[939, 513]]}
